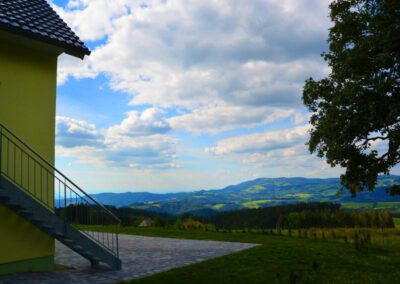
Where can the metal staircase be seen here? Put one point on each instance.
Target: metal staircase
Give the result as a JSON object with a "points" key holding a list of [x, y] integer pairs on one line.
{"points": [[42, 195]]}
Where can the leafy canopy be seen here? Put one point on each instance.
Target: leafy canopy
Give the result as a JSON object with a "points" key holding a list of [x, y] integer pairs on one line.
{"points": [[356, 109]]}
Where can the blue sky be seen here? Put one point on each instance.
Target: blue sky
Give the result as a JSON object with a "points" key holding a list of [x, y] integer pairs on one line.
{"points": [[184, 95]]}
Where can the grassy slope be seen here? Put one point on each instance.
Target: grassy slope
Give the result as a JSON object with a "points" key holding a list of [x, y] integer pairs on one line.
{"points": [[396, 222], [280, 257]]}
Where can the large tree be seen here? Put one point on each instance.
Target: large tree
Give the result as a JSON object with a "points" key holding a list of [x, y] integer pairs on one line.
{"points": [[356, 109]]}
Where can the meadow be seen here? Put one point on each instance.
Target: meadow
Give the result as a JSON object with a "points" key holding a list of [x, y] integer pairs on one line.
{"points": [[339, 255]]}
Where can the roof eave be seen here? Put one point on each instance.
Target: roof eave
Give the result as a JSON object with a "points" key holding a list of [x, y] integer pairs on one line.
{"points": [[76, 52], [80, 54]]}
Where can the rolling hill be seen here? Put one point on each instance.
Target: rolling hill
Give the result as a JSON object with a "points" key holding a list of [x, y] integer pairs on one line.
{"points": [[256, 193]]}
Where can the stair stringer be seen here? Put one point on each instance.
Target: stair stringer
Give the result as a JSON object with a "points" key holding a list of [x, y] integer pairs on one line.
{"points": [[31, 210]]}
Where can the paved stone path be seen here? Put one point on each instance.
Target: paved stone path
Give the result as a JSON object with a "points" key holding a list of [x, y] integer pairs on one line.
{"points": [[140, 256]]}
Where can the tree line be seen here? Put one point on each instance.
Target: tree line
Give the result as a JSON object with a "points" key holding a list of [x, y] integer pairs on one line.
{"points": [[336, 218], [299, 215], [92, 215]]}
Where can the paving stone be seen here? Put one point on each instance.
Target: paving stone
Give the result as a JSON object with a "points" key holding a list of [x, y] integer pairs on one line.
{"points": [[141, 256]]}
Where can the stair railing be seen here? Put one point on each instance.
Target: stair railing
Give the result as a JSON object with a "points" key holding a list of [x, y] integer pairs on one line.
{"points": [[27, 169]]}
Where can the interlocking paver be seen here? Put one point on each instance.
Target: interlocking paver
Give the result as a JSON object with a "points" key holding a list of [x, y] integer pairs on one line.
{"points": [[140, 256]]}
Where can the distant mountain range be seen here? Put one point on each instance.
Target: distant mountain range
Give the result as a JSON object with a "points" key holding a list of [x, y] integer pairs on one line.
{"points": [[256, 193]]}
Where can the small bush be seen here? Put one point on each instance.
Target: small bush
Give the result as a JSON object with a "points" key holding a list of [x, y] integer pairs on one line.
{"points": [[295, 277], [316, 266]]}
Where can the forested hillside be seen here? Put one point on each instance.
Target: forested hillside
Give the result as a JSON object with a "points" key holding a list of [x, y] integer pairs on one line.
{"points": [[258, 193]]}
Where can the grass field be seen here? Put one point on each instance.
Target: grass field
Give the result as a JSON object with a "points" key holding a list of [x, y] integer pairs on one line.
{"points": [[284, 259], [393, 207], [396, 222]]}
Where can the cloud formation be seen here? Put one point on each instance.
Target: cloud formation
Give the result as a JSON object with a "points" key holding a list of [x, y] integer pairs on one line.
{"points": [[196, 54], [149, 122], [279, 152], [260, 142], [138, 142], [72, 133], [214, 69], [213, 120]]}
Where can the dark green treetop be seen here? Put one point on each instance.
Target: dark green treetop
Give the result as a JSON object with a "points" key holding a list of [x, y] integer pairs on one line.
{"points": [[356, 109]]}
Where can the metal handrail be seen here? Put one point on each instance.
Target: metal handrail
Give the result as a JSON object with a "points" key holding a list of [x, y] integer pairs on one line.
{"points": [[22, 162], [60, 173]]}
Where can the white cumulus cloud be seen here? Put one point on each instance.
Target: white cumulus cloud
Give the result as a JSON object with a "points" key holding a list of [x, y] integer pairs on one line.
{"points": [[71, 133], [260, 142], [206, 67], [213, 120], [138, 142], [202, 54], [149, 122]]}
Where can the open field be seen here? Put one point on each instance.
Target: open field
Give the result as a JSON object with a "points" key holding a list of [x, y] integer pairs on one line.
{"points": [[396, 222], [393, 207], [319, 258]]}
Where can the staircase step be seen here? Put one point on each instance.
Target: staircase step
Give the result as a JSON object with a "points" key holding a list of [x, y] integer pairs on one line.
{"points": [[91, 256], [57, 234], [35, 221], [77, 247], [25, 213], [55, 226], [69, 241], [4, 198], [47, 227], [88, 254], [14, 206]]}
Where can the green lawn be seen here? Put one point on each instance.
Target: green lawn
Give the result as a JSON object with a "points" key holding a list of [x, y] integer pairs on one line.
{"points": [[396, 222], [282, 259], [393, 207]]}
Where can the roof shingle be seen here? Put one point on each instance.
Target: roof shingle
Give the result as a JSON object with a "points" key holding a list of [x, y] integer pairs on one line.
{"points": [[37, 20]]}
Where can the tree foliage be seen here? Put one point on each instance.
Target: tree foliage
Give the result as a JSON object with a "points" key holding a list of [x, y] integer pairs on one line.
{"points": [[336, 218], [93, 215], [356, 109], [301, 215], [266, 217]]}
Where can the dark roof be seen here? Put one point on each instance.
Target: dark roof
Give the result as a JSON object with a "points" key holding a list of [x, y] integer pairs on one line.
{"points": [[37, 20]]}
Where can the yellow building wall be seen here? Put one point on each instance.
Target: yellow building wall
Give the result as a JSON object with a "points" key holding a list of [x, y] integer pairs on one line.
{"points": [[27, 107]]}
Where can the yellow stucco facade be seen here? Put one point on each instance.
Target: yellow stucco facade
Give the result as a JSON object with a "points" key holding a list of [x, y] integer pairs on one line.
{"points": [[28, 71]]}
